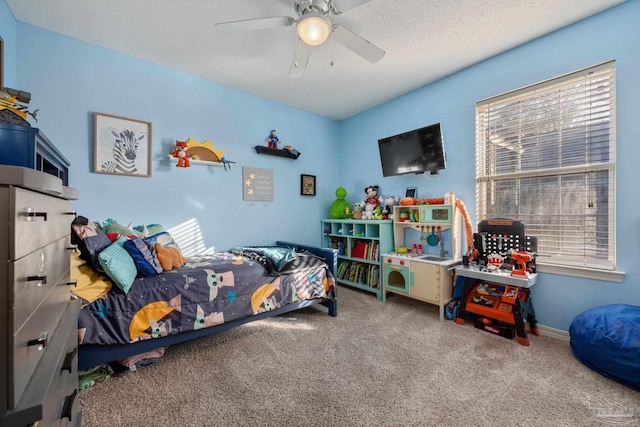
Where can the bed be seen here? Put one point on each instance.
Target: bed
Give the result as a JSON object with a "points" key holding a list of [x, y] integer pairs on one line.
{"points": [[210, 293]]}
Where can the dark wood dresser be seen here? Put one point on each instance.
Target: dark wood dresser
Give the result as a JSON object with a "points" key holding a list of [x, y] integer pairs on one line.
{"points": [[38, 317]]}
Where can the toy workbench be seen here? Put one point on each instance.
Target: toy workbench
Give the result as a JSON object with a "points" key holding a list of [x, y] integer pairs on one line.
{"points": [[501, 302]]}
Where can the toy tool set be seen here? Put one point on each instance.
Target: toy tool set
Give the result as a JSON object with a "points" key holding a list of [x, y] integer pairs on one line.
{"points": [[503, 244], [494, 283]]}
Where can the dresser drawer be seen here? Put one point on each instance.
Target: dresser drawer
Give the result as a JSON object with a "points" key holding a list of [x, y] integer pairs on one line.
{"points": [[61, 401], [39, 219], [49, 398], [39, 328], [35, 276]]}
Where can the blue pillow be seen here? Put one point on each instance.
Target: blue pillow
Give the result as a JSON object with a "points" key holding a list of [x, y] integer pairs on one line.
{"points": [[164, 238], [144, 256], [118, 264]]}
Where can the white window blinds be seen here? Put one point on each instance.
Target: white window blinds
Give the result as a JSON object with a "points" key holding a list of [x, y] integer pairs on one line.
{"points": [[545, 155]]}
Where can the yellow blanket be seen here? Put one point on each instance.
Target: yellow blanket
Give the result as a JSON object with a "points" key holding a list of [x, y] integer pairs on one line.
{"points": [[90, 284]]}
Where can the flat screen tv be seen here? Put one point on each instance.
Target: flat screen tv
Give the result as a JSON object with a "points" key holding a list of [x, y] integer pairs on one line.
{"points": [[416, 151]]}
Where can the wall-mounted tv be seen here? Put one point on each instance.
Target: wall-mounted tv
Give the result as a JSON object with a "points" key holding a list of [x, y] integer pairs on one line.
{"points": [[416, 151]]}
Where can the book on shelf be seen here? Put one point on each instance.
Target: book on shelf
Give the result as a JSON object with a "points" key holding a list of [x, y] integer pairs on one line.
{"points": [[359, 250]]}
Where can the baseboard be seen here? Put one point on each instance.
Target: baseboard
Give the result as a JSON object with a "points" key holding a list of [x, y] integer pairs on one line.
{"points": [[553, 333]]}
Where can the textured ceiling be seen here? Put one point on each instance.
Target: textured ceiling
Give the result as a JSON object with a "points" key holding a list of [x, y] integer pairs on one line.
{"points": [[424, 40]]}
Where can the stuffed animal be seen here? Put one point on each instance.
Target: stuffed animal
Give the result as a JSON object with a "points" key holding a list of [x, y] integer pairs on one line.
{"points": [[339, 207], [388, 203], [169, 257], [377, 213], [372, 195], [358, 208], [367, 213], [180, 152], [372, 202]]}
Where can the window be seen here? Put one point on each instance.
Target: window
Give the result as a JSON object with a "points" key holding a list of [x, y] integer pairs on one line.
{"points": [[545, 155]]}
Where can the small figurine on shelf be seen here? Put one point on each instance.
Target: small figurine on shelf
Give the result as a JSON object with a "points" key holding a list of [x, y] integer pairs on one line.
{"points": [[226, 163], [347, 212], [273, 140], [180, 152], [358, 207]]}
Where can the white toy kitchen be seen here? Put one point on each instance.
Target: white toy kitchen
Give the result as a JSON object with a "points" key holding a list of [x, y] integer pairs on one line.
{"points": [[427, 249]]}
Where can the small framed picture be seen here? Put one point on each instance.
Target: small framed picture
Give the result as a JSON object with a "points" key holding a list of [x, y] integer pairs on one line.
{"points": [[411, 192], [122, 146], [308, 185]]}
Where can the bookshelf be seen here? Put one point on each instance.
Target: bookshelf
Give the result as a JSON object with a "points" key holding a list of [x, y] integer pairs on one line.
{"points": [[360, 244]]}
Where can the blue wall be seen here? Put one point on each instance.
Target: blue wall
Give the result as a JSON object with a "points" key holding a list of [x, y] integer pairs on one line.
{"points": [[613, 34], [69, 80], [8, 34]]}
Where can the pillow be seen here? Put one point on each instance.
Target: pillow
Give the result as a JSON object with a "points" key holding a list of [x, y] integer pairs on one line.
{"points": [[144, 256], [273, 258], [164, 239], [169, 257], [112, 226], [91, 240], [118, 264], [149, 230]]}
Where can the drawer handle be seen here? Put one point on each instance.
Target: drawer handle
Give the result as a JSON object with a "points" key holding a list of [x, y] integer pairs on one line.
{"points": [[72, 248], [42, 279], [67, 408], [74, 213], [31, 215], [74, 283], [41, 341], [67, 365]]}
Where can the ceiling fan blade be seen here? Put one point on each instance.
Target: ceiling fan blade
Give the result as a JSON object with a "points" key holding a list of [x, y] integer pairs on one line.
{"points": [[357, 44], [300, 59], [255, 24], [344, 5]]}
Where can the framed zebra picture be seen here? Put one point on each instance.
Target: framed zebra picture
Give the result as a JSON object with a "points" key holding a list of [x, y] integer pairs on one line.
{"points": [[122, 146]]}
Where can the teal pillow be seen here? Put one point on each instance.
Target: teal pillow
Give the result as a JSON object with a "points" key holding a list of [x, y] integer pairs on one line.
{"points": [[273, 258], [149, 230], [118, 264]]}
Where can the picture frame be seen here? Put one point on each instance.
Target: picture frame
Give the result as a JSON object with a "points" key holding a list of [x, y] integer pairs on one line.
{"points": [[122, 146], [307, 185], [411, 192]]}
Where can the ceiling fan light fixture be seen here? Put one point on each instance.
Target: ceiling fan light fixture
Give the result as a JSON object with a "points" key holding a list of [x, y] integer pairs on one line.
{"points": [[313, 29]]}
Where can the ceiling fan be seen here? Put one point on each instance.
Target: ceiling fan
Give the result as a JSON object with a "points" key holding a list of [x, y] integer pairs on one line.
{"points": [[313, 28]]}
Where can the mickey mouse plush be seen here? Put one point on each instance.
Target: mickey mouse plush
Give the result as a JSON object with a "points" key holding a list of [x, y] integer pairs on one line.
{"points": [[372, 193]]}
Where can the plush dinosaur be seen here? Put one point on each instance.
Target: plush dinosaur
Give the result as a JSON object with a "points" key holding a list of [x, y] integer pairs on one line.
{"points": [[169, 257]]}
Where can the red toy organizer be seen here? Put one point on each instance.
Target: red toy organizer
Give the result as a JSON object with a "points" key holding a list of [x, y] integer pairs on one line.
{"points": [[502, 309]]}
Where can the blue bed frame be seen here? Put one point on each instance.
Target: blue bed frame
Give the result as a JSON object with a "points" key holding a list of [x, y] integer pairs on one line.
{"points": [[93, 355]]}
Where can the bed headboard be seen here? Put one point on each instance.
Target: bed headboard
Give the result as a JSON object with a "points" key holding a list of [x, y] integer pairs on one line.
{"points": [[330, 255]]}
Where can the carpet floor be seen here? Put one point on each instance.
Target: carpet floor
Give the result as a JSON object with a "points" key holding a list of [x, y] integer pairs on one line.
{"points": [[393, 364]]}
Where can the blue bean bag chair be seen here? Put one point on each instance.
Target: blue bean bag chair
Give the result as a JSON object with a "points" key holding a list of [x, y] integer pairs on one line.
{"points": [[607, 340]]}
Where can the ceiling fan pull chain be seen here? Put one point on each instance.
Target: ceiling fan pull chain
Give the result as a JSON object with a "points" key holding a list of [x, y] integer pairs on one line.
{"points": [[331, 63]]}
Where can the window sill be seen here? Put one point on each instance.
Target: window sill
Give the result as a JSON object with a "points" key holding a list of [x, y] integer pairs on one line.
{"points": [[587, 273]]}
